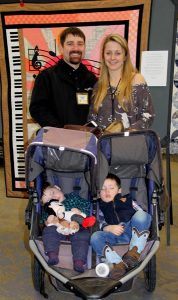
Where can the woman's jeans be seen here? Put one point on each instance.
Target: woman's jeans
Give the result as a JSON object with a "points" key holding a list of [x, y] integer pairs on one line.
{"points": [[140, 220]]}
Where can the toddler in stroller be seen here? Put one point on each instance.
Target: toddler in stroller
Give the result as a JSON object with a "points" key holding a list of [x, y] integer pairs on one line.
{"points": [[122, 221], [75, 213]]}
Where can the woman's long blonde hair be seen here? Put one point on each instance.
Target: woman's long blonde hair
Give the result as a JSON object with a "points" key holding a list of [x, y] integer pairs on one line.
{"points": [[125, 86]]}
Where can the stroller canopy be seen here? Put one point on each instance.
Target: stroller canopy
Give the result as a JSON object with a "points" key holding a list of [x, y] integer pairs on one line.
{"points": [[128, 155], [60, 149]]}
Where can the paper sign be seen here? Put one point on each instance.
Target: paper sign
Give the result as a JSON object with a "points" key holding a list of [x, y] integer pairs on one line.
{"points": [[154, 67]]}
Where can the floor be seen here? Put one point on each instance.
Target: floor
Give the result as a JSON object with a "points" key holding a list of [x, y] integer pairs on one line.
{"points": [[15, 256]]}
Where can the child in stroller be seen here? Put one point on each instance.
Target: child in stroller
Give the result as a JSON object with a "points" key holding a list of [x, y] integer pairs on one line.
{"points": [[122, 221], [76, 212]]}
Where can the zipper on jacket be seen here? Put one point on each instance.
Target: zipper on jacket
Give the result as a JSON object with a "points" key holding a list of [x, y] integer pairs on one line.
{"points": [[116, 212]]}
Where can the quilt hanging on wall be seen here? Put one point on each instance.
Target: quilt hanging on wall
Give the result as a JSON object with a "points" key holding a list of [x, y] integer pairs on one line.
{"points": [[29, 35]]}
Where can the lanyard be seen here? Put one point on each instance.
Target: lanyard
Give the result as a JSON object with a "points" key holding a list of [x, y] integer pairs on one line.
{"points": [[113, 93]]}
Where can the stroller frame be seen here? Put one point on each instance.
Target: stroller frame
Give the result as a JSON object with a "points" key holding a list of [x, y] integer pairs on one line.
{"points": [[88, 285]]}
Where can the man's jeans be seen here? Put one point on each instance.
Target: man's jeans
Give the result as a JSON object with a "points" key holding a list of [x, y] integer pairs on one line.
{"points": [[140, 220]]}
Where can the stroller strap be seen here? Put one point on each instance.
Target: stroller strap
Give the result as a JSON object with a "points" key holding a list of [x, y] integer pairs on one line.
{"points": [[76, 187]]}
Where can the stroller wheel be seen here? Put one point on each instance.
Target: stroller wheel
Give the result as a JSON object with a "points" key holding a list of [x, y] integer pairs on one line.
{"points": [[38, 277], [150, 274]]}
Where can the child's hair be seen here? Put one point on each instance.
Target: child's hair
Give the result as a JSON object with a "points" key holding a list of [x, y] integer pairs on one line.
{"points": [[45, 185], [114, 177]]}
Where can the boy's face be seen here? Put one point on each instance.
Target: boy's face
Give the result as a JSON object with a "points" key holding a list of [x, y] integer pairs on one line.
{"points": [[109, 190]]}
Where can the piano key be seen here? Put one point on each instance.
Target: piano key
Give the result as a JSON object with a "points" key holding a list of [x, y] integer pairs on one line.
{"points": [[16, 102]]}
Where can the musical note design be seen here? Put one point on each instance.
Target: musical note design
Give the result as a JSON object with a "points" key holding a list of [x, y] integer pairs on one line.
{"points": [[36, 63], [40, 59]]}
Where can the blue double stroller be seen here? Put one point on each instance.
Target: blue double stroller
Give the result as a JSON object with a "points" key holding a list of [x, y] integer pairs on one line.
{"points": [[79, 162]]}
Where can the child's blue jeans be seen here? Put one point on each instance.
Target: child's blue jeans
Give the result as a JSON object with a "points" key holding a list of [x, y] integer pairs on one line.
{"points": [[140, 220]]}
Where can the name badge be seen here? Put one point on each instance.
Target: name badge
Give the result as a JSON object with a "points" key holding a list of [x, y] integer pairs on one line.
{"points": [[82, 98]]}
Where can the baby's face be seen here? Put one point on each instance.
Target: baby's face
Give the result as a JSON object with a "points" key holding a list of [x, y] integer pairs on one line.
{"points": [[53, 193], [109, 190]]}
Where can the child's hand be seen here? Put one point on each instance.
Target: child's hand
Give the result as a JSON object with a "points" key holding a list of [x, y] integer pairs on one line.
{"points": [[52, 220], [76, 211], [74, 225], [115, 229]]}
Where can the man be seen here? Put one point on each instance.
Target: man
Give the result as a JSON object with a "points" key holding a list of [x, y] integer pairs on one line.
{"points": [[61, 94]]}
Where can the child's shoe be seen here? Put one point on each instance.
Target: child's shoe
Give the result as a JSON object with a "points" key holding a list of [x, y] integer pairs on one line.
{"points": [[118, 270], [53, 258], [137, 245], [79, 266]]}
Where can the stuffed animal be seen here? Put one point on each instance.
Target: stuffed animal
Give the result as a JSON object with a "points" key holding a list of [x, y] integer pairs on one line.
{"points": [[67, 222], [64, 227]]}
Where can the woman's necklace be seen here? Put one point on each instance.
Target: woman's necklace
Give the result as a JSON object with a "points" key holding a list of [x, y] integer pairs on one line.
{"points": [[113, 93]]}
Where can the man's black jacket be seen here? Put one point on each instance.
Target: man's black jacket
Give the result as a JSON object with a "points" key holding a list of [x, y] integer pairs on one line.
{"points": [[53, 101]]}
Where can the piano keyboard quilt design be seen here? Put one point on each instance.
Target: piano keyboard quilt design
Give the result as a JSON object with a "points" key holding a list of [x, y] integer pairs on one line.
{"points": [[30, 39]]}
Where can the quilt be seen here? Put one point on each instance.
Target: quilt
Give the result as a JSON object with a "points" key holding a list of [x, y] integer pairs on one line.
{"points": [[29, 43]]}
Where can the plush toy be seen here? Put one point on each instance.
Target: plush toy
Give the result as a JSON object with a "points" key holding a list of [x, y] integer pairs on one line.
{"points": [[64, 227], [67, 222]]}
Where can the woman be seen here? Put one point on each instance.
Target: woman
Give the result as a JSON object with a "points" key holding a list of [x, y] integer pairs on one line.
{"points": [[121, 96]]}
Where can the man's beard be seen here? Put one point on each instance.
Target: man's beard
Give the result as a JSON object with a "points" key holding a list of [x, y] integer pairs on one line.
{"points": [[75, 60]]}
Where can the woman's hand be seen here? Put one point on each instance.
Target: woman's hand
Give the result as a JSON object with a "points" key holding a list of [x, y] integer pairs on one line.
{"points": [[114, 127], [115, 229]]}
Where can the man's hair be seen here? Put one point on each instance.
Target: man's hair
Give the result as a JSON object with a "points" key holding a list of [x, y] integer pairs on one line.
{"points": [[71, 30], [115, 178]]}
